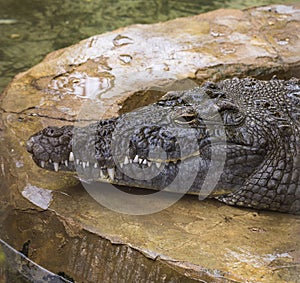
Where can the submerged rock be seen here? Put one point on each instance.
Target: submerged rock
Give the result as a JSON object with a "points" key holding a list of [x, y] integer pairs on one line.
{"points": [[113, 73]]}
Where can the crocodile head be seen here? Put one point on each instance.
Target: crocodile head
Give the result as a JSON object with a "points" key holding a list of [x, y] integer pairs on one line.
{"points": [[243, 133]]}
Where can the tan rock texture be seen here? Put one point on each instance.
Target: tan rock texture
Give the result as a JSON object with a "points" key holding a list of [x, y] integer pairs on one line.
{"points": [[111, 73]]}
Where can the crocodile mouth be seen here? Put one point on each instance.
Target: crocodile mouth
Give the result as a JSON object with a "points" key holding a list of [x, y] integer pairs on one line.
{"points": [[53, 149], [95, 170], [56, 149], [154, 174]]}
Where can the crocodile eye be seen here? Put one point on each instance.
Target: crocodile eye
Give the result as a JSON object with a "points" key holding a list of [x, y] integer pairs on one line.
{"points": [[52, 131], [233, 118], [185, 118], [230, 113]]}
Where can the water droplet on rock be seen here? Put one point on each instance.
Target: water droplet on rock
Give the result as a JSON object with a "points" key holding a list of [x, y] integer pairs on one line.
{"points": [[216, 34], [125, 58], [121, 40], [283, 42], [228, 50]]}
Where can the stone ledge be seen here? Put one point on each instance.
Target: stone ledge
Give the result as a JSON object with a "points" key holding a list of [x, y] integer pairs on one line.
{"points": [[190, 240]]}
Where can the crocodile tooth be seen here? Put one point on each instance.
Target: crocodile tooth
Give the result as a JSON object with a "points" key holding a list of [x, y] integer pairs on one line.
{"points": [[50, 161], [111, 173], [66, 163], [149, 163], [77, 161], [56, 165], [145, 162], [95, 165], [42, 164], [157, 164], [126, 160], [71, 156], [87, 164], [83, 164], [141, 160], [136, 159], [121, 164]]}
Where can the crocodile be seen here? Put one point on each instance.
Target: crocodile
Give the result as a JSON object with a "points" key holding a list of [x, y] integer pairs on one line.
{"points": [[247, 127]]}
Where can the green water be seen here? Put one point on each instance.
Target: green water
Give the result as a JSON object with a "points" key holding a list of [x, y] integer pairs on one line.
{"points": [[32, 28]]}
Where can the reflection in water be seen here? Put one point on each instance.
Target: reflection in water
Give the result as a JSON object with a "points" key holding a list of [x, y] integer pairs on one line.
{"points": [[30, 29], [80, 84]]}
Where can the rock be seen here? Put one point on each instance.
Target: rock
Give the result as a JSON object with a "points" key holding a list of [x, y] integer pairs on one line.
{"points": [[112, 73]]}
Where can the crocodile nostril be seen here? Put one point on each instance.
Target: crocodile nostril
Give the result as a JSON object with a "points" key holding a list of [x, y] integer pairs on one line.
{"points": [[53, 131]]}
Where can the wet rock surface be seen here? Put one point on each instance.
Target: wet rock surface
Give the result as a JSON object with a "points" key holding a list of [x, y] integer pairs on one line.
{"points": [[114, 73]]}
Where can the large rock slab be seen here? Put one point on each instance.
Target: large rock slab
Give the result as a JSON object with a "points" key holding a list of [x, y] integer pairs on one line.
{"points": [[112, 73]]}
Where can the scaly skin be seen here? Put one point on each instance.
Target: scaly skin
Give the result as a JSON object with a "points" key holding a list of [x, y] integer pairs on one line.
{"points": [[248, 127]]}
